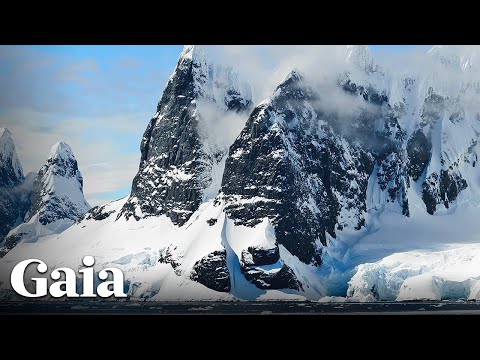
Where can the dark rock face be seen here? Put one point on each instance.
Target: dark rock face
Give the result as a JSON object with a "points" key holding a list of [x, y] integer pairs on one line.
{"points": [[368, 93], [98, 213], [284, 278], [211, 222], [15, 189], [9, 212], [255, 255], [443, 185], [291, 167], [11, 173], [307, 169], [8, 176], [9, 244], [419, 150], [167, 256], [212, 271], [254, 265], [166, 182], [442, 189], [175, 166], [392, 176]]}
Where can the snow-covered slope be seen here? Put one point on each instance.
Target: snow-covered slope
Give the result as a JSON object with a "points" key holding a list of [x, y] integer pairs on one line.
{"points": [[57, 199], [366, 187]]}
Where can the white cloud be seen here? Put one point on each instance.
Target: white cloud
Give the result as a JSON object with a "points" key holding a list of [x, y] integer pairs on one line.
{"points": [[219, 128], [267, 65]]}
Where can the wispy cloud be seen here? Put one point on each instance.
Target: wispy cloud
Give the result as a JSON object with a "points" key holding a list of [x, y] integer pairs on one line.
{"points": [[81, 73], [98, 164], [129, 62]]}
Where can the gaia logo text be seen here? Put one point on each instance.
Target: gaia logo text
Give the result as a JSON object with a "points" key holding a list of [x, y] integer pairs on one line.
{"points": [[68, 287]]}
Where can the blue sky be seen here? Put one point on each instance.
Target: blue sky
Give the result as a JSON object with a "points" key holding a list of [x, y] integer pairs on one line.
{"points": [[97, 98], [395, 48]]}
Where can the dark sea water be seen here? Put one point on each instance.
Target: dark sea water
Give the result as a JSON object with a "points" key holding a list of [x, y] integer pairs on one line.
{"points": [[239, 308]]}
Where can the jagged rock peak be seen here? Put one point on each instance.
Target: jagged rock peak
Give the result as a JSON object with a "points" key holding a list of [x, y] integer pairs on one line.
{"points": [[183, 150], [212, 80], [11, 172], [62, 162], [61, 150], [196, 53], [294, 75], [58, 187], [191, 54]]}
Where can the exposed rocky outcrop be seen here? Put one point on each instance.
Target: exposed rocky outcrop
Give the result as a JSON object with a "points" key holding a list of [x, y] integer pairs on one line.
{"points": [[212, 271], [255, 263]]}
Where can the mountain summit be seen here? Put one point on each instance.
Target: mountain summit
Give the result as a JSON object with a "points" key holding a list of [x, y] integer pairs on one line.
{"points": [[182, 156], [11, 172], [57, 199], [14, 198], [58, 188]]}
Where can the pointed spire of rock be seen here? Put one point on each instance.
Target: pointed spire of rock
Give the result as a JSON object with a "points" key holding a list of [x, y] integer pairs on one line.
{"points": [[11, 172], [58, 187]]}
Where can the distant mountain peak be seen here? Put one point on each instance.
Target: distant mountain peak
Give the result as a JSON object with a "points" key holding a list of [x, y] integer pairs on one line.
{"points": [[11, 172], [4, 130], [60, 149], [58, 187], [293, 75]]}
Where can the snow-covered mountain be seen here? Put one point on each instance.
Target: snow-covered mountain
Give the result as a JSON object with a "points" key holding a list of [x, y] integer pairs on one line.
{"points": [[56, 199], [15, 190], [58, 188], [183, 149], [332, 188], [11, 172]]}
